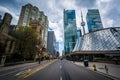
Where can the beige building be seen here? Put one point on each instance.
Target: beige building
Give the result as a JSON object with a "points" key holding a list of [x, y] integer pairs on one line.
{"points": [[7, 42], [31, 16]]}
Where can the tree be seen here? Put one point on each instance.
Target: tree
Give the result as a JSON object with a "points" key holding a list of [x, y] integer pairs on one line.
{"points": [[26, 42]]}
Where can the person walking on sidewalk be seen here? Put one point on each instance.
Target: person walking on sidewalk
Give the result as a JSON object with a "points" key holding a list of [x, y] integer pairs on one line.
{"points": [[39, 60], [106, 68]]}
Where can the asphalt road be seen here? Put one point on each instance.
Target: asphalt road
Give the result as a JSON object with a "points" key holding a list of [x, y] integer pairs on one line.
{"points": [[51, 70], [12, 72]]}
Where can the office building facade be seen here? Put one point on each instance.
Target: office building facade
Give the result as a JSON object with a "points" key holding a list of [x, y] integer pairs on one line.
{"points": [[31, 16], [94, 20], [7, 42], [51, 43], [70, 30]]}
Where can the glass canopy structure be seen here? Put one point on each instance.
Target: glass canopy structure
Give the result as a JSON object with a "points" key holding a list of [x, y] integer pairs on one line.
{"points": [[101, 40]]}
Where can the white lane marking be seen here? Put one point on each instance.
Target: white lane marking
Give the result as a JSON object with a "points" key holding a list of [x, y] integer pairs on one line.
{"points": [[61, 70], [23, 72], [60, 67], [20, 73], [60, 77]]}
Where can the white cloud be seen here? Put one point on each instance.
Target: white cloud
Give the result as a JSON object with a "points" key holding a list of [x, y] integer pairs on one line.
{"points": [[105, 7], [105, 1], [68, 4], [109, 23], [58, 28], [4, 9]]}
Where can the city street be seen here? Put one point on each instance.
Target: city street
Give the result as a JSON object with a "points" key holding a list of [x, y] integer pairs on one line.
{"points": [[59, 40], [50, 70]]}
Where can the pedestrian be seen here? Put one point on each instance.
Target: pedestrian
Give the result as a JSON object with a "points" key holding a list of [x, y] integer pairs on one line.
{"points": [[106, 68], [39, 60]]}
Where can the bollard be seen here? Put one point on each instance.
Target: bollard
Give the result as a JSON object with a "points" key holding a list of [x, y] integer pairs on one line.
{"points": [[94, 66]]}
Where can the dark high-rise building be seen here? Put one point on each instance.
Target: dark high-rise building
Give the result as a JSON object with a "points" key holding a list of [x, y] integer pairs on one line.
{"points": [[70, 30], [4, 28], [0, 19], [51, 43], [93, 20]]}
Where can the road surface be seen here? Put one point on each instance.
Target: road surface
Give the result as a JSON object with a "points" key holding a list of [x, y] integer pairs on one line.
{"points": [[50, 70]]}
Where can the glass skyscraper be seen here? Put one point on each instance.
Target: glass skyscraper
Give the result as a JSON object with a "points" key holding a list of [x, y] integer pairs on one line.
{"points": [[30, 13], [31, 16], [93, 20], [70, 30]]}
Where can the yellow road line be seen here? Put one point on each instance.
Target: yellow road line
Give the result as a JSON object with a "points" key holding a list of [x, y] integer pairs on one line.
{"points": [[35, 70]]}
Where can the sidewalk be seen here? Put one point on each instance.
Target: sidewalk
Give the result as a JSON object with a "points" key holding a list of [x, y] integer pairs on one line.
{"points": [[2, 68], [113, 70]]}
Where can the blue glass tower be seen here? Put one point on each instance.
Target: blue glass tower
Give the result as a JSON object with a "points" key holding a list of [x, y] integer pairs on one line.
{"points": [[93, 20], [70, 30]]}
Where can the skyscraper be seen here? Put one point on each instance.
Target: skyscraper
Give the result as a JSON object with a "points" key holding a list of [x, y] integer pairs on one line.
{"points": [[70, 30], [51, 44], [31, 16], [29, 13], [0, 19], [93, 20]]}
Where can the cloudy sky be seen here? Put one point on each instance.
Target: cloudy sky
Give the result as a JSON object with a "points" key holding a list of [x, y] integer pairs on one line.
{"points": [[109, 11]]}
